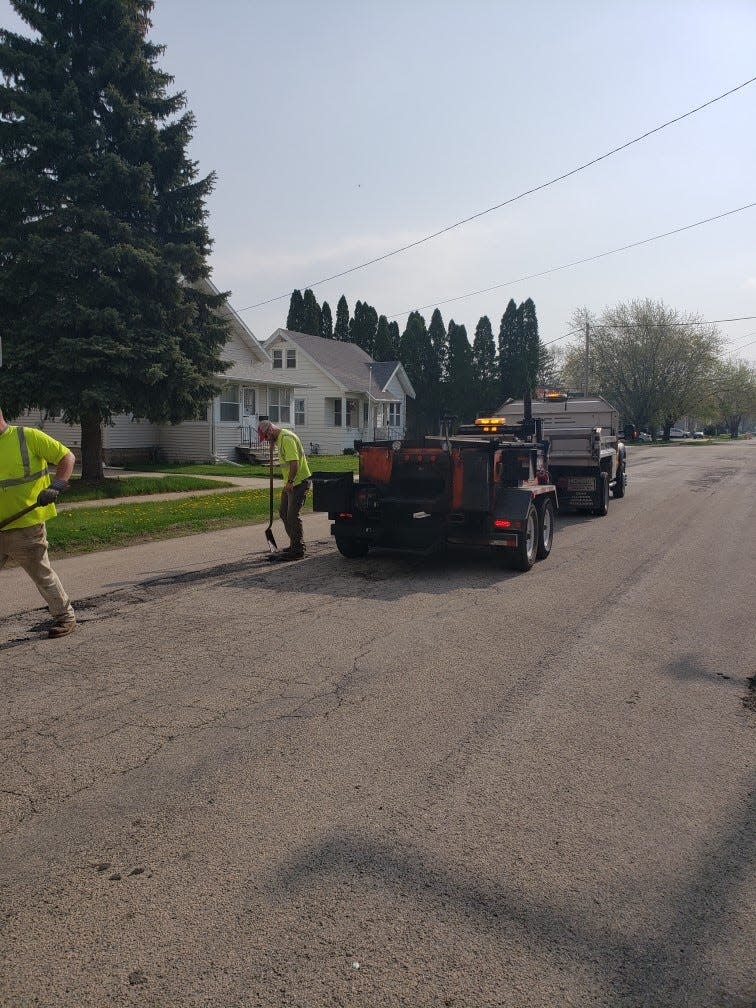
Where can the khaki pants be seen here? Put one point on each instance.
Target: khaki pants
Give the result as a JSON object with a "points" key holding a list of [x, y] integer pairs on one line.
{"points": [[289, 508], [28, 547]]}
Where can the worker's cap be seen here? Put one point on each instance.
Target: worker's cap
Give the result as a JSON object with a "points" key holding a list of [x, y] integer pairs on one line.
{"points": [[263, 429]]}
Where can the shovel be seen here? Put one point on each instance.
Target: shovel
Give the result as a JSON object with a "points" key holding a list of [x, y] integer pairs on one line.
{"points": [[272, 545], [22, 512]]}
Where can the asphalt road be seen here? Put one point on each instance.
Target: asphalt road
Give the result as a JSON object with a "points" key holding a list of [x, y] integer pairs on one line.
{"points": [[393, 781]]}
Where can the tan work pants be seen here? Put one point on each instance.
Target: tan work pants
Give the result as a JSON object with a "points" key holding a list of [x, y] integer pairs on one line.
{"points": [[289, 508], [28, 547]]}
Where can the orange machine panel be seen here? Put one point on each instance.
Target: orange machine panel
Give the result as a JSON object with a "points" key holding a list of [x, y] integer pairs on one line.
{"points": [[375, 464]]}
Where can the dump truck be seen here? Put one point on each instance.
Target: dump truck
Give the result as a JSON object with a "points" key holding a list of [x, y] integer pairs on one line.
{"points": [[484, 487], [587, 458]]}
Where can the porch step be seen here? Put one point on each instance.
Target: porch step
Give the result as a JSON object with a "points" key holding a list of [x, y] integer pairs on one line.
{"points": [[257, 455]]}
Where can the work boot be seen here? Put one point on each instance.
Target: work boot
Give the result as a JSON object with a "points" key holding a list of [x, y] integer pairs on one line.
{"points": [[62, 626]]}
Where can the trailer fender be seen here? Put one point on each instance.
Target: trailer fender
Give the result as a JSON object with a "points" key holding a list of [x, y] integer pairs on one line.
{"points": [[513, 503]]}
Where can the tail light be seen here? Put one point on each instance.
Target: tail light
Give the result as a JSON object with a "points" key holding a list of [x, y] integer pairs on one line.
{"points": [[345, 515]]}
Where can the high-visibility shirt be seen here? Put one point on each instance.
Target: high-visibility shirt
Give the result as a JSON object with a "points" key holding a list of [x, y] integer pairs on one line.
{"points": [[24, 456], [290, 450]]}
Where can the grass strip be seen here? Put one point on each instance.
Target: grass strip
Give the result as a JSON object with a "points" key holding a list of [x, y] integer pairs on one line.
{"points": [[85, 530], [322, 463], [137, 486]]}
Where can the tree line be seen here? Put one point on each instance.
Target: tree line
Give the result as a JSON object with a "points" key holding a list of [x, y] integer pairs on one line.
{"points": [[450, 374]]}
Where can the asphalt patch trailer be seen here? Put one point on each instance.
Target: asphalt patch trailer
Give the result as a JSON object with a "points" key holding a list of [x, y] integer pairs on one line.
{"points": [[486, 487]]}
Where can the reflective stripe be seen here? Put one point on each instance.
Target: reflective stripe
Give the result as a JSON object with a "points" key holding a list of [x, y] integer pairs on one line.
{"points": [[24, 449], [29, 476]]}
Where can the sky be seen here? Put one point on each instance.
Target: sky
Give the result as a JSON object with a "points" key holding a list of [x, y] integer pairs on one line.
{"points": [[340, 130]]}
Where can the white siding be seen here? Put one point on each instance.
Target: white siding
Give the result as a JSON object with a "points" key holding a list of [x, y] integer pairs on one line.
{"points": [[314, 386], [185, 442]]}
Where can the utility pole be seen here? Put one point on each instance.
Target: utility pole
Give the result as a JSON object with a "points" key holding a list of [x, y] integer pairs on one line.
{"points": [[587, 348]]}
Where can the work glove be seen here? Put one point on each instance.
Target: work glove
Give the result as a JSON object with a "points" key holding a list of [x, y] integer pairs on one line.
{"points": [[51, 493]]}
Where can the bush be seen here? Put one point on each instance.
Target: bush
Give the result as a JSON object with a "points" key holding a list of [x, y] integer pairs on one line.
{"points": [[349, 451]]}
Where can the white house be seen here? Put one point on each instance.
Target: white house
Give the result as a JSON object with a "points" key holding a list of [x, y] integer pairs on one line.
{"points": [[330, 393], [339, 393]]}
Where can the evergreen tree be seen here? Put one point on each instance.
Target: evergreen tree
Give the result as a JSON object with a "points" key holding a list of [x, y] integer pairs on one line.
{"points": [[312, 320], [413, 338], [363, 327], [485, 369], [103, 236], [295, 320], [395, 340], [460, 394], [530, 353], [383, 349], [341, 329], [326, 321], [438, 338], [510, 387]]}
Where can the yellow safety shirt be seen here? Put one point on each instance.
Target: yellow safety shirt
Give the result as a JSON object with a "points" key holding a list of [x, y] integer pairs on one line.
{"points": [[24, 456], [290, 450]]}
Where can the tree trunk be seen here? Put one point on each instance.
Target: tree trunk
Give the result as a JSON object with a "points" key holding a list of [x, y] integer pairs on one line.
{"points": [[734, 424], [91, 448]]}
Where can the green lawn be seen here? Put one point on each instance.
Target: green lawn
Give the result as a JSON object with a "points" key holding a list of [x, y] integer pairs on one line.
{"points": [[84, 530], [322, 463], [137, 486]]}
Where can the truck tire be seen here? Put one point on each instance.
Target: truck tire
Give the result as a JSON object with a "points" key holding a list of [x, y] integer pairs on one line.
{"points": [[546, 515], [524, 556], [603, 509], [352, 549]]}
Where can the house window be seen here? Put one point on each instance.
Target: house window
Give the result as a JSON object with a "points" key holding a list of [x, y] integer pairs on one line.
{"points": [[352, 413], [395, 414], [337, 412], [278, 358], [229, 404], [249, 402], [291, 358], [279, 405], [299, 412]]}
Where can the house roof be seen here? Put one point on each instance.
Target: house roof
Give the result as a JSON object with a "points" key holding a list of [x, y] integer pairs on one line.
{"points": [[239, 326], [350, 366]]}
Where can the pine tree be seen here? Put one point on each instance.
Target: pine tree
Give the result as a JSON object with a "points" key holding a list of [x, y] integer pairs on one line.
{"points": [[485, 370], [341, 329], [460, 397], [509, 354], [326, 322], [295, 320], [383, 350], [364, 326], [103, 236], [419, 361], [531, 348], [312, 320], [395, 340], [439, 342]]}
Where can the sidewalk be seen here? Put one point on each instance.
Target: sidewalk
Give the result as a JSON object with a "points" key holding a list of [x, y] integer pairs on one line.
{"points": [[239, 483]]}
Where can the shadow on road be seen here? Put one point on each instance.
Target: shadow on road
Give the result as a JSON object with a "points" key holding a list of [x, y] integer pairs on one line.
{"points": [[666, 967]]}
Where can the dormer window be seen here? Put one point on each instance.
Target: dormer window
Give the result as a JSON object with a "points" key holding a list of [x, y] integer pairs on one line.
{"points": [[291, 358], [278, 359]]}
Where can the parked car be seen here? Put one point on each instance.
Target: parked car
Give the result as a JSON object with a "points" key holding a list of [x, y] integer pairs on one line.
{"points": [[698, 435], [678, 432], [644, 437]]}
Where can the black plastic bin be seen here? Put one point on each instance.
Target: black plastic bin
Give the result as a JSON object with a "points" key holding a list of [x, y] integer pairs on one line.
{"points": [[332, 491]]}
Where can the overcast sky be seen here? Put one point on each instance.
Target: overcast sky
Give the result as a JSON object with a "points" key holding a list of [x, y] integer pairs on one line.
{"points": [[341, 130]]}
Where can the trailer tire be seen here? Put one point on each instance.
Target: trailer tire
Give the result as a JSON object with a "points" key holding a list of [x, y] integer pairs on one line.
{"points": [[620, 483], [603, 509], [352, 549], [524, 556], [546, 515]]}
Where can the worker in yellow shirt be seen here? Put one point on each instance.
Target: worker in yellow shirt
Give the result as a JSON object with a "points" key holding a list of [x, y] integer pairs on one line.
{"points": [[25, 453], [295, 471]]}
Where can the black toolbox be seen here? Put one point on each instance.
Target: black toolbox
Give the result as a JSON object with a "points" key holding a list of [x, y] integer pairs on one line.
{"points": [[332, 491]]}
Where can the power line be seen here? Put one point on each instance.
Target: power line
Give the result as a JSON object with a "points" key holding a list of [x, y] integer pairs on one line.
{"points": [[577, 262], [507, 202], [647, 325]]}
